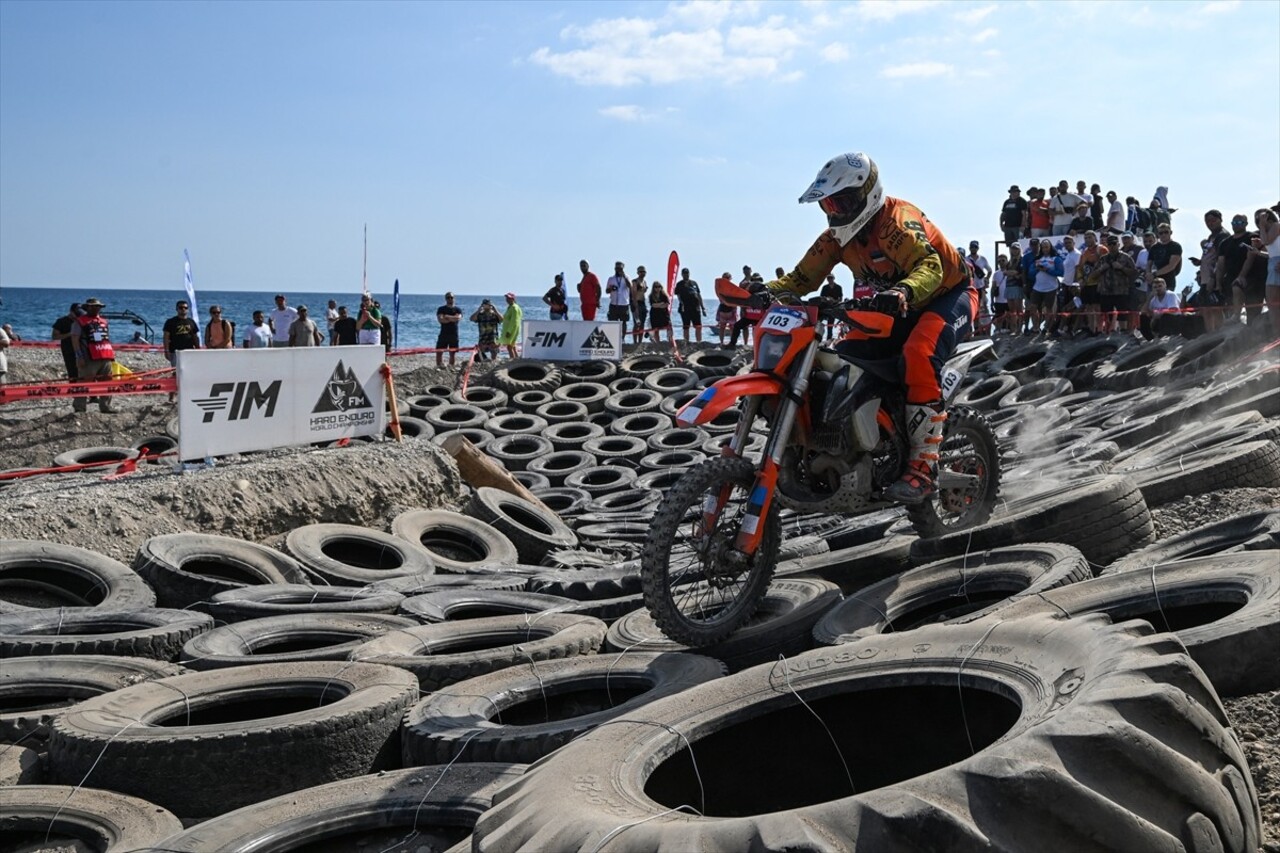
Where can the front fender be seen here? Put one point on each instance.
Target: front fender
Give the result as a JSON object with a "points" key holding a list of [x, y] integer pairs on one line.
{"points": [[720, 396]]}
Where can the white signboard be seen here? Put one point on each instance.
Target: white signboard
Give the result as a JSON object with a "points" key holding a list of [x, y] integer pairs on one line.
{"points": [[232, 401], [572, 340]]}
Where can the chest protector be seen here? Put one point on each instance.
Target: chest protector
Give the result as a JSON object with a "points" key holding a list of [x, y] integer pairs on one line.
{"points": [[96, 338]]}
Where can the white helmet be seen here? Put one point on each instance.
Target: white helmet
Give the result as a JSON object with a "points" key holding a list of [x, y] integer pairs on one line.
{"points": [[848, 190]]}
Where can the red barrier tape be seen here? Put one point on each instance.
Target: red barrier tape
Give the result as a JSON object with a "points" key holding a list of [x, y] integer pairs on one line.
{"points": [[123, 466], [56, 344], [135, 384]]}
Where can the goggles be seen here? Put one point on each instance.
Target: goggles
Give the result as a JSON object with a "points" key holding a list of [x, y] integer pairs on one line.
{"points": [[843, 207]]}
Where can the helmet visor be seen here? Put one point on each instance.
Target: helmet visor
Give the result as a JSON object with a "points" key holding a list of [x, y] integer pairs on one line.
{"points": [[845, 206]]}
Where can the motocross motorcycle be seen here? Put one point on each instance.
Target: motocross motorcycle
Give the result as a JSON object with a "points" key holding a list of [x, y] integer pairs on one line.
{"points": [[837, 438]]}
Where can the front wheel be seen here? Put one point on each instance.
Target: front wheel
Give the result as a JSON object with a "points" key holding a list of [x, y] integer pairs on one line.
{"points": [[697, 586], [968, 480]]}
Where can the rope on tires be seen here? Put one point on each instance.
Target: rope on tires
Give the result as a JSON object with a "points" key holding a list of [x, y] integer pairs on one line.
{"points": [[53, 820], [786, 674], [960, 685]]}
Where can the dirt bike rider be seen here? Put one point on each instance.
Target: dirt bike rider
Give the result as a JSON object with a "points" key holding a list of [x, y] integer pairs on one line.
{"points": [[922, 281]]}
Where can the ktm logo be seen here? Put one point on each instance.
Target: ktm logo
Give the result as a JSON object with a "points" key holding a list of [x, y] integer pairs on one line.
{"points": [[239, 399]]}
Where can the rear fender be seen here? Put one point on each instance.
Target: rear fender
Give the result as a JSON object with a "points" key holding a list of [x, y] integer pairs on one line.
{"points": [[712, 401]]}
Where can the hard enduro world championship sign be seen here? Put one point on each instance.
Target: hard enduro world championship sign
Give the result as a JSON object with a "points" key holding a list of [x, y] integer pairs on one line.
{"points": [[232, 401], [572, 340]]}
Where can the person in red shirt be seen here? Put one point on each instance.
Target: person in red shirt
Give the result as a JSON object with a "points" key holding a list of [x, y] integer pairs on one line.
{"points": [[921, 280], [588, 291], [1038, 217]]}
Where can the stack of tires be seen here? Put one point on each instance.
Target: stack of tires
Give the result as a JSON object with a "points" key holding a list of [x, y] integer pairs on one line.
{"points": [[486, 677]]}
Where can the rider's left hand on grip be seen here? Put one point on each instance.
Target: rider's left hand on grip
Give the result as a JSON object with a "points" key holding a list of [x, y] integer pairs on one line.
{"points": [[891, 301]]}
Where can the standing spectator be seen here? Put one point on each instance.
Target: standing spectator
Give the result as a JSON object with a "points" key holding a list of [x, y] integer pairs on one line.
{"points": [[1082, 221], [832, 294], [1097, 210], [751, 314], [14, 337], [304, 332], [511, 320], [4, 355], [1210, 297], [91, 336], [689, 304], [487, 319], [281, 322], [1062, 205], [619, 290], [1129, 247], [331, 320], [1070, 259], [746, 277], [180, 333], [1266, 248], [344, 328], [369, 323], [1160, 313], [447, 315], [1240, 273], [1111, 279], [1013, 215], [258, 334], [1047, 266], [726, 315], [999, 301], [62, 329], [1089, 293], [1166, 257], [980, 271], [660, 313], [385, 333], [1038, 216], [639, 306], [218, 333], [1015, 284], [588, 292], [556, 299], [779, 272], [1115, 214]]}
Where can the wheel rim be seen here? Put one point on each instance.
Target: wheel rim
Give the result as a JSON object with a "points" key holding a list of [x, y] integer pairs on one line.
{"points": [[962, 453], [706, 574]]}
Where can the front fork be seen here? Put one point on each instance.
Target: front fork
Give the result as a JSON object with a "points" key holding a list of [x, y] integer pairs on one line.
{"points": [[762, 491]]}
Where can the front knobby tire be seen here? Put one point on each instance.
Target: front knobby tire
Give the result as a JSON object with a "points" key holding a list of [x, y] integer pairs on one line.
{"points": [[969, 448], [688, 589]]}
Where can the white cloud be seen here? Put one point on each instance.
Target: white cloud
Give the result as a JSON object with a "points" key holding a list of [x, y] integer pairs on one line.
{"points": [[917, 69], [973, 16], [988, 33], [834, 52], [626, 112], [1216, 7], [691, 41], [887, 10]]}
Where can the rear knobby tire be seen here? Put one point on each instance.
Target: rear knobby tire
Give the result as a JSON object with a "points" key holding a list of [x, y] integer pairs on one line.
{"points": [[968, 447], [677, 594]]}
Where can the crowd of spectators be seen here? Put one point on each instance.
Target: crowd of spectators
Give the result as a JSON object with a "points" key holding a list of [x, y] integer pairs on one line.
{"points": [[1083, 263]]}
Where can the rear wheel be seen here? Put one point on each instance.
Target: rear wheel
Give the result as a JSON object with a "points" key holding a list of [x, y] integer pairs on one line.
{"points": [[698, 588], [968, 477]]}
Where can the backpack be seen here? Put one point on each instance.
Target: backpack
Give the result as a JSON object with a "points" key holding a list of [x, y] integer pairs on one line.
{"points": [[1141, 220]]}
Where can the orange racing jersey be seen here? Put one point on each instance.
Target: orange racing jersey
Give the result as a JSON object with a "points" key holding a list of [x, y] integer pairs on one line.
{"points": [[899, 247]]}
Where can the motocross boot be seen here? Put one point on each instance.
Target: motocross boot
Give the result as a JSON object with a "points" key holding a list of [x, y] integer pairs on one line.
{"points": [[924, 431]]}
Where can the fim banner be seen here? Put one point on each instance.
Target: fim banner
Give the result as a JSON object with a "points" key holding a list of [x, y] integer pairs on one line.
{"points": [[572, 340], [232, 401]]}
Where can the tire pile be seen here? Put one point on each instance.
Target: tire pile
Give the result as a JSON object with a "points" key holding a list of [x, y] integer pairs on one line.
{"points": [[488, 679]]}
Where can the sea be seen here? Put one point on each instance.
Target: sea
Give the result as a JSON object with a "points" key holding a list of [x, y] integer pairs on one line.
{"points": [[32, 310]]}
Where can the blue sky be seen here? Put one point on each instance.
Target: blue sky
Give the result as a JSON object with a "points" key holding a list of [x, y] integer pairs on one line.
{"points": [[490, 145]]}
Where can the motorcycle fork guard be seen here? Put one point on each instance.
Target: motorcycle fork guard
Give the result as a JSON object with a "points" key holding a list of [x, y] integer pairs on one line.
{"points": [[759, 503]]}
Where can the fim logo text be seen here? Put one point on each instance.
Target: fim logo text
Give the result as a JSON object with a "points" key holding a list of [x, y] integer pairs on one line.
{"points": [[343, 403], [239, 399], [548, 339]]}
